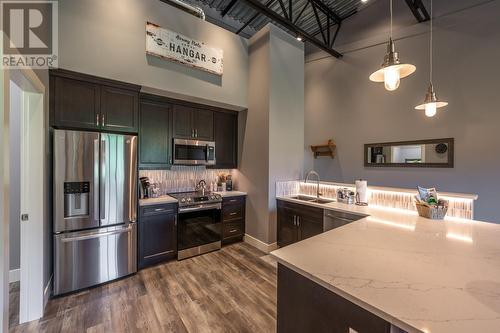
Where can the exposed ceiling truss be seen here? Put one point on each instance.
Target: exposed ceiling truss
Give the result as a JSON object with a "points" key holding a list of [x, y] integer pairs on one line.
{"points": [[315, 21], [290, 18]]}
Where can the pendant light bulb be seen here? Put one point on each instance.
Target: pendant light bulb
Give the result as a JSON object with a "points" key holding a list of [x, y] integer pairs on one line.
{"points": [[430, 109], [392, 78]]}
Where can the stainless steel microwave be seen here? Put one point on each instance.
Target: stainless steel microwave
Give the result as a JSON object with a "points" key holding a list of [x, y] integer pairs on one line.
{"points": [[194, 152]]}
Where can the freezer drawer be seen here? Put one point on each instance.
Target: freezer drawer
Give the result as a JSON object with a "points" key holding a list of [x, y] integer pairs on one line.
{"points": [[87, 258]]}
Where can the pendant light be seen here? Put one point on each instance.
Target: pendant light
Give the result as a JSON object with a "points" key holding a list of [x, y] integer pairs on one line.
{"points": [[392, 70], [431, 102]]}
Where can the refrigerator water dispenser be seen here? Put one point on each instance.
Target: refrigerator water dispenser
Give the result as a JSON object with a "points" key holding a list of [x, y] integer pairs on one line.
{"points": [[76, 199]]}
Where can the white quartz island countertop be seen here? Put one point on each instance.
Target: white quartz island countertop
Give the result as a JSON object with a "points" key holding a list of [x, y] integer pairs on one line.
{"points": [[418, 274]]}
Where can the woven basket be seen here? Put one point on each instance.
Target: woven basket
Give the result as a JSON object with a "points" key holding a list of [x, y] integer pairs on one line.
{"points": [[433, 212]]}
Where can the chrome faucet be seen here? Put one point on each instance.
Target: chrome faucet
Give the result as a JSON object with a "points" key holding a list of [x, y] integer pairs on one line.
{"points": [[312, 172]]}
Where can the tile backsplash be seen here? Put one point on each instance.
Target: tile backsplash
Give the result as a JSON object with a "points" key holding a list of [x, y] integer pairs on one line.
{"points": [[183, 178], [384, 197]]}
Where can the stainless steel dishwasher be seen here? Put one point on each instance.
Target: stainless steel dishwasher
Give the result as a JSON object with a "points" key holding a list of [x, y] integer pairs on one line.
{"points": [[333, 219]]}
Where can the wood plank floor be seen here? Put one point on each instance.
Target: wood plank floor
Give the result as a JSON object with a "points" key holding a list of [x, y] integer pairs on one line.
{"points": [[231, 290]]}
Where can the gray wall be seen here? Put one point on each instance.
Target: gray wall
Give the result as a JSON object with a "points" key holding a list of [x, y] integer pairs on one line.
{"points": [[107, 38], [272, 131], [341, 103], [15, 177]]}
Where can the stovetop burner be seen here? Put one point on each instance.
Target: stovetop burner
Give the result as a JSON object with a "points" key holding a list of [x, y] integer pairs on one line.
{"points": [[195, 198]]}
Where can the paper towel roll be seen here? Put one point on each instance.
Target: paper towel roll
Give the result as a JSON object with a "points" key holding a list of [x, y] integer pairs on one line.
{"points": [[361, 192]]}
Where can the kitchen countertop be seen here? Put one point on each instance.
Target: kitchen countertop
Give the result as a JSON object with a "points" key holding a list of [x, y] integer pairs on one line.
{"points": [[165, 199], [418, 274], [228, 194]]}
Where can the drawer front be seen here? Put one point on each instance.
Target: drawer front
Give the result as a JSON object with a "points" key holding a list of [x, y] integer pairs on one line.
{"points": [[233, 212], [233, 201], [233, 229], [158, 209]]}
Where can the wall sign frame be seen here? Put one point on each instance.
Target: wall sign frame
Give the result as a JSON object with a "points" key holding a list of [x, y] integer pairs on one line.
{"points": [[168, 44]]}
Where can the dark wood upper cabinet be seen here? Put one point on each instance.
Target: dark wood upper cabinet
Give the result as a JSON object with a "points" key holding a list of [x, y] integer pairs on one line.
{"points": [[183, 122], [76, 103], [203, 124], [193, 123], [82, 101], [154, 134], [226, 139], [119, 109]]}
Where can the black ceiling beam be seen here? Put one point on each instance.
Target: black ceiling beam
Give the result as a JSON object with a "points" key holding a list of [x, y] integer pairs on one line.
{"points": [[228, 7], [269, 3], [418, 9], [257, 5]]}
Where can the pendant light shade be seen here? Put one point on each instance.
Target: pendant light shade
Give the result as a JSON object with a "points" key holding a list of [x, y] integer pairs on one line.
{"points": [[392, 70], [431, 102]]}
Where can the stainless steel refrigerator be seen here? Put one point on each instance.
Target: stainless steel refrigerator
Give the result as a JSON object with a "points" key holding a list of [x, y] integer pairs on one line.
{"points": [[95, 208]]}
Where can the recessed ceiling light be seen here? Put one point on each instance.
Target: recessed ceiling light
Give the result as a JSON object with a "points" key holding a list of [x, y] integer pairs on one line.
{"points": [[363, 1], [299, 38]]}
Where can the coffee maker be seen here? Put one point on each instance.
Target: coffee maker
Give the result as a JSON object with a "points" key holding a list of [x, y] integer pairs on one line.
{"points": [[145, 188]]}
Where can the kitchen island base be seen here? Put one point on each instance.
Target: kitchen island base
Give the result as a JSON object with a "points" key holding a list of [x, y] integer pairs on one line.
{"points": [[305, 306]]}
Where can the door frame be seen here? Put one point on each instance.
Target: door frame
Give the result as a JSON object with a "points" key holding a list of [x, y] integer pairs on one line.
{"points": [[32, 256]]}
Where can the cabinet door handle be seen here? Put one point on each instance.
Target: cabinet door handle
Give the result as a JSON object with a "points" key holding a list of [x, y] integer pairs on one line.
{"points": [[233, 200], [192, 133], [97, 119], [102, 120], [295, 220], [232, 214], [233, 231], [298, 221]]}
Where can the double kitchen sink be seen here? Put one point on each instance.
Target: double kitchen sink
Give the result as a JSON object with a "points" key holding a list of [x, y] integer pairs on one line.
{"points": [[312, 199]]}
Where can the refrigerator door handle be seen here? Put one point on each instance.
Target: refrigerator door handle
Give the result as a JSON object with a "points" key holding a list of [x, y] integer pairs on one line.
{"points": [[95, 187], [102, 192], [96, 235]]}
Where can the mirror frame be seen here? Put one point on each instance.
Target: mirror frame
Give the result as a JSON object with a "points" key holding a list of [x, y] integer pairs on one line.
{"points": [[451, 154]]}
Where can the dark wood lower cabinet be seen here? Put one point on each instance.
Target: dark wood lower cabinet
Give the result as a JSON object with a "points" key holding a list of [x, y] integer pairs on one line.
{"points": [[233, 219], [157, 234], [305, 306], [297, 222]]}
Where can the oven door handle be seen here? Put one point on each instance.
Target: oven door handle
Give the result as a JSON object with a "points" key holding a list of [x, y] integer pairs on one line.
{"points": [[199, 208]]}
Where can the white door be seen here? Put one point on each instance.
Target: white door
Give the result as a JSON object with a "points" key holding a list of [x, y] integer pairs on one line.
{"points": [[32, 187]]}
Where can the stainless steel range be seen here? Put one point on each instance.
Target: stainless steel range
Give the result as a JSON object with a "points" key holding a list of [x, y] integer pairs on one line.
{"points": [[199, 227]]}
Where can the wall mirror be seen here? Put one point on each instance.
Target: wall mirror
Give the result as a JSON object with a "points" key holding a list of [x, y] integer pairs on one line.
{"points": [[434, 153]]}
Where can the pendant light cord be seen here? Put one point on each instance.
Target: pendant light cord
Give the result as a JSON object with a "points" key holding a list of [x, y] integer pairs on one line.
{"points": [[430, 48], [391, 16]]}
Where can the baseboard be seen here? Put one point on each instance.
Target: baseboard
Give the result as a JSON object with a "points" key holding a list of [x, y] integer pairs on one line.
{"points": [[46, 292], [264, 247], [14, 275]]}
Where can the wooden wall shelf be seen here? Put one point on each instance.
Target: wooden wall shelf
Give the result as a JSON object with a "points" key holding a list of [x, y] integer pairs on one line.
{"points": [[324, 150]]}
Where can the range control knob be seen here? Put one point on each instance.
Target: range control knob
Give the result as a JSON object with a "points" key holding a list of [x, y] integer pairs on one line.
{"points": [[183, 200], [189, 199]]}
